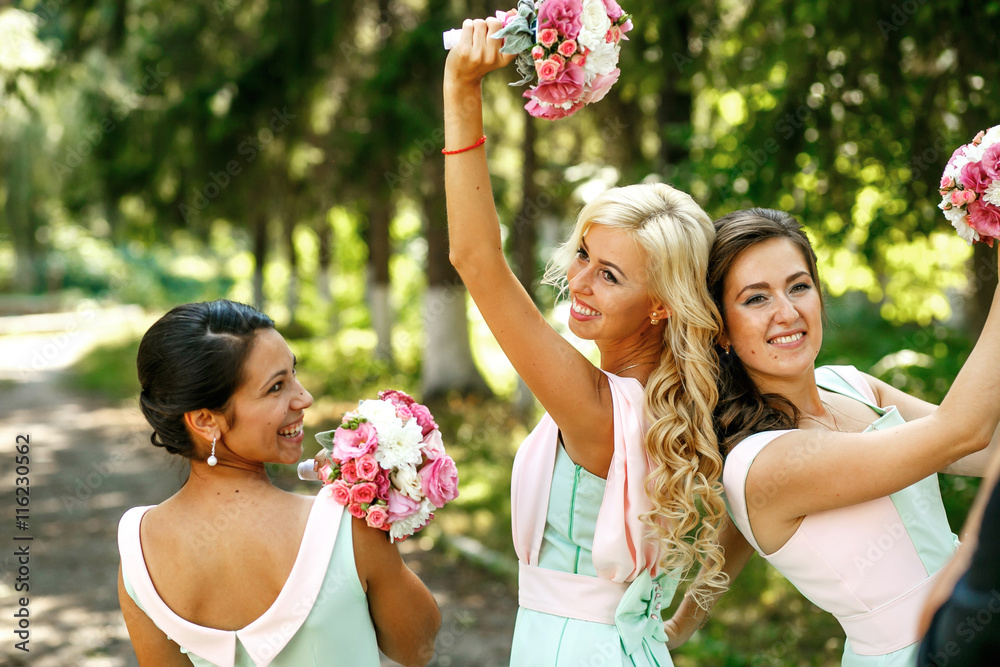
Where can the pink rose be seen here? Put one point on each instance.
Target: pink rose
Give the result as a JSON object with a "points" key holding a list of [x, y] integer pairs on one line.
{"points": [[974, 177], [567, 48], [383, 485], [991, 161], [947, 183], [341, 492], [401, 506], [578, 59], [538, 52], [566, 87], [377, 517], [600, 86], [978, 139], [363, 493], [349, 472], [548, 36], [548, 112], [367, 467], [324, 472], [439, 481], [432, 446], [985, 219], [563, 15], [356, 510], [962, 197], [614, 10], [547, 69], [352, 443]]}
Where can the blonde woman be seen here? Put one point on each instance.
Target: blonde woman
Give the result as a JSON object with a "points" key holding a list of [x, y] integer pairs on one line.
{"points": [[608, 485]]}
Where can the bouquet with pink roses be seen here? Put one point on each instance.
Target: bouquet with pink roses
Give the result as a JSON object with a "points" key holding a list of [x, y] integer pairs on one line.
{"points": [[970, 188], [567, 51], [386, 463]]}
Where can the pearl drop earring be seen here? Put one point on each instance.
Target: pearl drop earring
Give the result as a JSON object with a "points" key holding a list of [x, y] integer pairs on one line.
{"points": [[211, 459]]}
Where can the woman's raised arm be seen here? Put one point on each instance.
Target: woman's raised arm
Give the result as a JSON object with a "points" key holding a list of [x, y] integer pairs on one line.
{"points": [[548, 364]]}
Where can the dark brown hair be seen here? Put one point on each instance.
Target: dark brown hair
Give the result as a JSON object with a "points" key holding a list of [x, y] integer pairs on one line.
{"points": [[193, 358], [742, 409]]}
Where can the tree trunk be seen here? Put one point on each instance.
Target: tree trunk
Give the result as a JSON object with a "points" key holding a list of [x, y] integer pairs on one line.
{"points": [[448, 364], [524, 239], [260, 257], [379, 251], [292, 293], [982, 283]]}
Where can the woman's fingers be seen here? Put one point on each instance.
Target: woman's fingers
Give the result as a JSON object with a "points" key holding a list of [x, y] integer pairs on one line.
{"points": [[477, 53]]}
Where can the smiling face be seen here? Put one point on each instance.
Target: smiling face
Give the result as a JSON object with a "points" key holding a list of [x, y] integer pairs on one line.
{"points": [[266, 411], [773, 312], [608, 287]]}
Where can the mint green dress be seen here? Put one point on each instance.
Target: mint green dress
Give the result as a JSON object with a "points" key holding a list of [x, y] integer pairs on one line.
{"points": [[548, 640], [320, 617]]}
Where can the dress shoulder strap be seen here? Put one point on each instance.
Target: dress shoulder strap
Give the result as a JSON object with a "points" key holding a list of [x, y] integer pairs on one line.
{"points": [[847, 381]]}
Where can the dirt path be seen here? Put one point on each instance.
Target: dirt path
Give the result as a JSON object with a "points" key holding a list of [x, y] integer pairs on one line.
{"points": [[89, 462]]}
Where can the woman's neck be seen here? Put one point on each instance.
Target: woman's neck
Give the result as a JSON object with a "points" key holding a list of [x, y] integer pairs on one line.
{"points": [[801, 391]]}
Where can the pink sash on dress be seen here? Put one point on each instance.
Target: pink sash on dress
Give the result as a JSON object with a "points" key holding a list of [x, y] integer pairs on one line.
{"points": [[620, 552]]}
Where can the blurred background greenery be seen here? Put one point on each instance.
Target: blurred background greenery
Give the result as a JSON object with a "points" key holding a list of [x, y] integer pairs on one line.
{"points": [[286, 154]]}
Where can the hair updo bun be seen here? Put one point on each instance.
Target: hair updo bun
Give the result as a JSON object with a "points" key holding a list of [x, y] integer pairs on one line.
{"points": [[192, 358]]}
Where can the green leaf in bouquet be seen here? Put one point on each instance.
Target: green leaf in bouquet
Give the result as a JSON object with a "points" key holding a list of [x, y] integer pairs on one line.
{"points": [[526, 68], [326, 439], [519, 33]]}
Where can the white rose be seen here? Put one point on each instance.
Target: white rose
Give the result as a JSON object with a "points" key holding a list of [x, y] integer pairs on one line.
{"points": [[595, 24], [407, 481]]}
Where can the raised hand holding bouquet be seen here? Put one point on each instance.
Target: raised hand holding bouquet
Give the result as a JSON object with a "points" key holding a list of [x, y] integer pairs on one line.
{"points": [[567, 51], [970, 188], [386, 463]]}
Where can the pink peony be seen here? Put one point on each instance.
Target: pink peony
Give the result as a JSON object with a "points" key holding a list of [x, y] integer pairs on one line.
{"points": [[600, 86], [341, 492], [974, 177], [567, 48], [614, 10], [367, 467], [439, 481], [991, 161], [548, 112], [352, 443], [566, 87], [356, 510], [547, 69], [423, 417], [563, 15], [548, 37], [401, 506], [383, 485], [377, 517], [363, 493], [985, 219], [349, 472]]}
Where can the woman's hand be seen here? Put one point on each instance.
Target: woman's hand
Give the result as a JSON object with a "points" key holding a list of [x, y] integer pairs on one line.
{"points": [[476, 54], [679, 630]]}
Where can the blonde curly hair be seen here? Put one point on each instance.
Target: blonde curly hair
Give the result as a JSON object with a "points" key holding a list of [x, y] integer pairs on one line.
{"points": [[676, 236]]}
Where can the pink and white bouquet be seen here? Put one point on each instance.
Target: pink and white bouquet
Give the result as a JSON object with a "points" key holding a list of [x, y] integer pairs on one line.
{"points": [[386, 463], [970, 188], [567, 51]]}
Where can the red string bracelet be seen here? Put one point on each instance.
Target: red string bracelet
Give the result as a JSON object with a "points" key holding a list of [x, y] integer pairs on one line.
{"points": [[482, 140]]}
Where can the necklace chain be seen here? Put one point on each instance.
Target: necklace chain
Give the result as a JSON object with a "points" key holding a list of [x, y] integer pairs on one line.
{"points": [[831, 410], [642, 363]]}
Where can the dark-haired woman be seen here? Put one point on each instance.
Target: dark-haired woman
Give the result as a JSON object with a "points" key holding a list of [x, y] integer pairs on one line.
{"points": [[830, 473], [232, 570]]}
